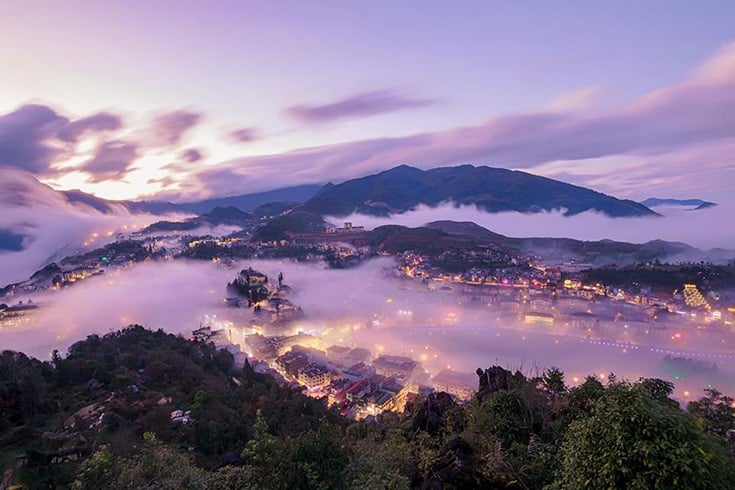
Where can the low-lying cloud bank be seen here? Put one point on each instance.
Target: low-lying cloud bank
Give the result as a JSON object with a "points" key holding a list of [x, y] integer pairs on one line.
{"points": [[704, 228], [51, 227]]}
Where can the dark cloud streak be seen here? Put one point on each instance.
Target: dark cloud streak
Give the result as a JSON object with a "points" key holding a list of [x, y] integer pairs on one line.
{"points": [[191, 155], [25, 134], [170, 128], [102, 121], [112, 159], [243, 135], [356, 106]]}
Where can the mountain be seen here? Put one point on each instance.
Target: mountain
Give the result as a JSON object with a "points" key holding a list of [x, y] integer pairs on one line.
{"points": [[403, 188], [297, 221], [246, 202], [440, 236], [706, 205], [229, 215], [223, 215], [653, 202], [107, 206]]}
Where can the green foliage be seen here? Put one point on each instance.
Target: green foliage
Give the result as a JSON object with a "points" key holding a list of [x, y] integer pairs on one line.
{"points": [[518, 432], [381, 463], [97, 471], [715, 410], [553, 380], [634, 440], [669, 276]]}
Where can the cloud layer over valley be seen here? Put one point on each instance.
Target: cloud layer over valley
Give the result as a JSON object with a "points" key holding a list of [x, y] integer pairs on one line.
{"points": [[342, 306], [703, 228]]}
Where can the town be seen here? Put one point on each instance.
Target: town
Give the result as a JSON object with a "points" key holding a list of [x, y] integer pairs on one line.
{"points": [[362, 383], [521, 291]]}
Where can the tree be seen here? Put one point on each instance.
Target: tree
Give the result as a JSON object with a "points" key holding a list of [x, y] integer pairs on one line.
{"points": [[262, 451], [318, 459], [716, 410], [384, 463], [635, 441], [553, 381], [96, 472]]}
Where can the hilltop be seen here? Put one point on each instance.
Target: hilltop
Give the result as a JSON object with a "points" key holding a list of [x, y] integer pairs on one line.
{"points": [[403, 188]]}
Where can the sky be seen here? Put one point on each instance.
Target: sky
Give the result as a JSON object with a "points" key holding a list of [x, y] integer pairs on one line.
{"points": [[183, 100]]}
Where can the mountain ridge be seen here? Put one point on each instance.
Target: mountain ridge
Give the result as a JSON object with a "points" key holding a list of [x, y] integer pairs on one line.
{"points": [[693, 203], [491, 189], [244, 202]]}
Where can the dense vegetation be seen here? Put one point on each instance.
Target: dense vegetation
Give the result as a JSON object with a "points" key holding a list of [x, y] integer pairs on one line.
{"points": [[295, 222], [247, 432], [668, 276]]}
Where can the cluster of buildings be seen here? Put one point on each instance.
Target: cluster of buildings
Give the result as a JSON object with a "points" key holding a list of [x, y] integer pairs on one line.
{"points": [[535, 294], [348, 377], [17, 314], [347, 228], [344, 378], [481, 266]]}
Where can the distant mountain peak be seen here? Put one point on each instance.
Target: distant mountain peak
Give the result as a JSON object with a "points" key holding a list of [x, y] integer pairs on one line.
{"points": [[653, 202], [226, 212], [403, 188]]}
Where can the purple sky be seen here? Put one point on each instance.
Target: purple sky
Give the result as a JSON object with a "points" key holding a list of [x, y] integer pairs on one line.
{"points": [[186, 99]]}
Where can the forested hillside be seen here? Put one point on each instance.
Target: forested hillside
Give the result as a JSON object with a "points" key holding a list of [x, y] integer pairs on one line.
{"points": [[144, 409]]}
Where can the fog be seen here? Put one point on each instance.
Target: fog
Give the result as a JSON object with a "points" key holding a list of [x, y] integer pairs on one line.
{"points": [[704, 228], [53, 228], [356, 307]]}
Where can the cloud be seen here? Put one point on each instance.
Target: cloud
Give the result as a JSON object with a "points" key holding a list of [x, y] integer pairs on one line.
{"points": [[52, 226], [480, 335], [678, 135], [166, 181], [358, 105], [112, 159], [699, 170], [243, 135], [25, 136], [102, 121], [697, 111], [191, 155], [578, 100], [34, 136], [704, 228], [170, 128]]}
